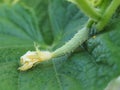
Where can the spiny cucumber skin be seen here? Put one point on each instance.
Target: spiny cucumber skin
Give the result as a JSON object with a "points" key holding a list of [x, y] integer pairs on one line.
{"points": [[70, 46], [88, 9]]}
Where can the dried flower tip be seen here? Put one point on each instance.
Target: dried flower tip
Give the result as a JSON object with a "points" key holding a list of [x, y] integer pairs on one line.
{"points": [[32, 57]]}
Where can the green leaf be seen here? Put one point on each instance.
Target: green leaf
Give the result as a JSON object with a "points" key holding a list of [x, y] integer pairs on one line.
{"points": [[91, 67], [42, 13], [104, 48], [65, 20], [8, 76], [18, 26], [18, 31]]}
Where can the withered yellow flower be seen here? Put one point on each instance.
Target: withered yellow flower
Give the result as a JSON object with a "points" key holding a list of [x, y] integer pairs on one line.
{"points": [[32, 57]]}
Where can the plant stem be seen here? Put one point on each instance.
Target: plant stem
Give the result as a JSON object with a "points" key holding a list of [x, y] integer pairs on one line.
{"points": [[88, 9], [108, 14], [83, 34], [77, 40]]}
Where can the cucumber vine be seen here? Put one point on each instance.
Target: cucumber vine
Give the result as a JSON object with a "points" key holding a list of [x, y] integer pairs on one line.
{"points": [[98, 15]]}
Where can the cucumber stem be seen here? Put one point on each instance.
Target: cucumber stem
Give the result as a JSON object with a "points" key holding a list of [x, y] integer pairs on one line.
{"points": [[107, 14], [87, 8]]}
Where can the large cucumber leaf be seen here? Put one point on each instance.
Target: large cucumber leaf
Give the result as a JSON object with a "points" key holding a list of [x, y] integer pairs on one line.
{"points": [[18, 26], [91, 67], [41, 10], [18, 31]]}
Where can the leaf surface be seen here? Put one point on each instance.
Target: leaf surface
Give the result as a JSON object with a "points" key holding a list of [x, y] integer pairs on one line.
{"points": [[91, 67]]}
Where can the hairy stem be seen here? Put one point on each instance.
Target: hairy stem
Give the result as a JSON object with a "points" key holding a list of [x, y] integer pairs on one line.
{"points": [[88, 9], [82, 35], [108, 14], [77, 40]]}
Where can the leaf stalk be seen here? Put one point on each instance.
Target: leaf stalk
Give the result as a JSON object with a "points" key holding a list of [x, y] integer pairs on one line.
{"points": [[87, 8], [107, 15]]}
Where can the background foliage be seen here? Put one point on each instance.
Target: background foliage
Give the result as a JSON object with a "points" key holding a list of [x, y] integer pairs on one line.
{"points": [[51, 23]]}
